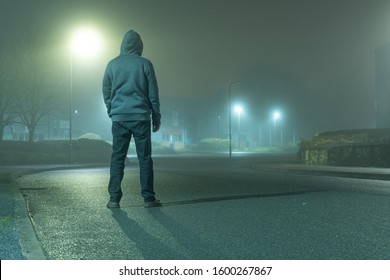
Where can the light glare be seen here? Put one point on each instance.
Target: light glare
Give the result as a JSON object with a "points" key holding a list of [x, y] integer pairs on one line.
{"points": [[238, 109], [276, 115], [86, 42]]}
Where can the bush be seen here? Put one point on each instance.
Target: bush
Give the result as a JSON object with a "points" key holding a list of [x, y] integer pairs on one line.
{"points": [[348, 137], [163, 150], [214, 144]]}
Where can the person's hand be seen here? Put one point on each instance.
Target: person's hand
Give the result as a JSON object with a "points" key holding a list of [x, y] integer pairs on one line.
{"points": [[156, 127]]}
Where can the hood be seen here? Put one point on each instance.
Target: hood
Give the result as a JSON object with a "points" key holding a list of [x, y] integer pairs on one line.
{"points": [[132, 43]]}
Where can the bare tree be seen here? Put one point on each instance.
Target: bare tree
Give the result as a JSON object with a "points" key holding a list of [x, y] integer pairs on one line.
{"points": [[36, 94], [6, 100]]}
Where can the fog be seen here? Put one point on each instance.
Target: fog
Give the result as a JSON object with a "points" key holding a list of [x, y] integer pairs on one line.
{"points": [[311, 60]]}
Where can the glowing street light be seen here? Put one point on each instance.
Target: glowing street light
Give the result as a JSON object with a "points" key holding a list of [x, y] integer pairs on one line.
{"points": [[86, 43], [276, 116], [238, 109], [230, 115]]}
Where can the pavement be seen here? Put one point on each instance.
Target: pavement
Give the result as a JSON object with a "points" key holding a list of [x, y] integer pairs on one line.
{"points": [[21, 240], [15, 224]]}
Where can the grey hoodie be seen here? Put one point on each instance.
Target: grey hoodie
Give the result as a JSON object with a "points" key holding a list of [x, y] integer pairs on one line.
{"points": [[130, 88]]}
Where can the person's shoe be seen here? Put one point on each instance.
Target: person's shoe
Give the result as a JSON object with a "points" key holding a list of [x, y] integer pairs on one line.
{"points": [[112, 204], [154, 203]]}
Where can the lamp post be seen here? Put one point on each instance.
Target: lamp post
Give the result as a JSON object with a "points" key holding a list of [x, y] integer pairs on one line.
{"points": [[230, 115], [86, 42], [218, 126], [238, 109], [275, 117]]}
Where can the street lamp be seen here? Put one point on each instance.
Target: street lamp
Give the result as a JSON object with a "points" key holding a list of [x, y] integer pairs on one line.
{"points": [[218, 125], [238, 109], [85, 42], [230, 115], [276, 116]]}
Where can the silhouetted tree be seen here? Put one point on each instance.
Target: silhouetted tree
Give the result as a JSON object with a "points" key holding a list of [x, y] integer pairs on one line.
{"points": [[35, 94], [6, 100]]}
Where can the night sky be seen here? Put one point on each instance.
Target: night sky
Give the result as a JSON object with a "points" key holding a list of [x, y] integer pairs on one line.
{"points": [[319, 52]]}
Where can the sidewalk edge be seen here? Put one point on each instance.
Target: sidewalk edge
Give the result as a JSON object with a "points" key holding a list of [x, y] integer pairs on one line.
{"points": [[31, 247], [318, 171]]}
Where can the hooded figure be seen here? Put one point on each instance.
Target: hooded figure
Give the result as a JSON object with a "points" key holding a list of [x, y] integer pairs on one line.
{"points": [[131, 96], [130, 88]]}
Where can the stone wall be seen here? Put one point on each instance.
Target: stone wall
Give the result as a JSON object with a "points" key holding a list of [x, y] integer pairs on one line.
{"points": [[369, 147], [375, 155]]}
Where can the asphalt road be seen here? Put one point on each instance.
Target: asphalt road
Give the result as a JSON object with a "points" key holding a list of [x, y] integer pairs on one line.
{"points": [[213, 208]]}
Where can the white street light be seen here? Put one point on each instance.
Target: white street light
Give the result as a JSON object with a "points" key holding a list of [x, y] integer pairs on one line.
{"points": [[230, 115], [86, 43], [238, 109], [276, 116]]}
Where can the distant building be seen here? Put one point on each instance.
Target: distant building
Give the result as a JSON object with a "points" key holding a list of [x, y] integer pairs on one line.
{"points": [[382, 86]]}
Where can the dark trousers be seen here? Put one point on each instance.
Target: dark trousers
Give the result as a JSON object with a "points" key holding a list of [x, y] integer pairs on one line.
{"points": [[122, 132]]}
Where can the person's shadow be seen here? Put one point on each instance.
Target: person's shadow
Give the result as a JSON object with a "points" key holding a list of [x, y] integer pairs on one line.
{"points": [[151, 247], [194, 246], [186, 244]]}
